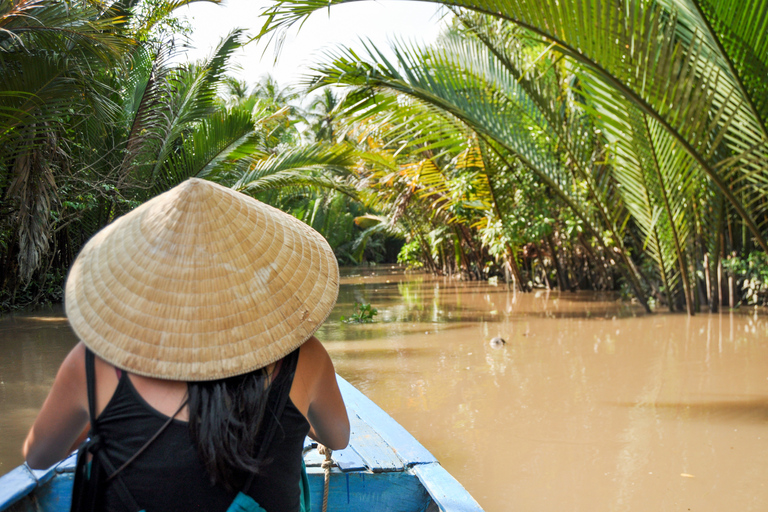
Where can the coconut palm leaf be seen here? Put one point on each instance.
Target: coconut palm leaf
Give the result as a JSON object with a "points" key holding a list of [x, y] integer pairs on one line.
{"points": [[573, 133], [462, 93], [87, 28], [739, 36], [658, 182], [121, 138], [171, 108], [217, 145], [159, 12], [311, 166], [48, 53]]}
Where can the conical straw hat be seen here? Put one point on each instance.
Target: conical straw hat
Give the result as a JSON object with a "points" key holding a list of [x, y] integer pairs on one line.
{"points": [[200, 283]]}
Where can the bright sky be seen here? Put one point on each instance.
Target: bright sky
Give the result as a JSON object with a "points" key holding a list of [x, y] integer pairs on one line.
{"points": [[381, 21]]}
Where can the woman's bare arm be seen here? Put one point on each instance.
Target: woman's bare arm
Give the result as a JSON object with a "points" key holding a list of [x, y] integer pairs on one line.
{"points": [[326, 412], [63, 416]]}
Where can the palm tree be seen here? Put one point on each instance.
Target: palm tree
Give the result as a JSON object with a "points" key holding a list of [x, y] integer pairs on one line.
{"points": [[484, 87], [321, 113], [48, 51], [64, 68]]}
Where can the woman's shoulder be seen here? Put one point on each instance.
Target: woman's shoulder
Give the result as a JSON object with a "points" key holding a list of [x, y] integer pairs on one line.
{"points": [[313, 351], [314, 362], [72, 370]]}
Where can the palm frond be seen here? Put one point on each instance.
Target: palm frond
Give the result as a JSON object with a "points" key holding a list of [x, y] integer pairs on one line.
{"points": [[218, 144], [312, 166]]}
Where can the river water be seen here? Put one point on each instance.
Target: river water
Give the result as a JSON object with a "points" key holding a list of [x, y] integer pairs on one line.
{"points": [[589, 406]]}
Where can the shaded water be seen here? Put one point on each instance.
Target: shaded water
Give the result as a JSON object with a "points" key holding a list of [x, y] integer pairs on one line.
{"points": [[590, 406]]}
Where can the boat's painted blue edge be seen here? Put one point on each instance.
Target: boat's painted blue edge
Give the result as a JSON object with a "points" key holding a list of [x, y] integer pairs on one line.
{"points": [[376, 453], [406, 446], [22, 480], [15, 485], [67, 465], [446, 491]]}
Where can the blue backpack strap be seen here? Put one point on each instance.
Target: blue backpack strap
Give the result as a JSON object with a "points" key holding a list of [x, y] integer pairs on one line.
{"points": [[244, 503], [305, 503]]}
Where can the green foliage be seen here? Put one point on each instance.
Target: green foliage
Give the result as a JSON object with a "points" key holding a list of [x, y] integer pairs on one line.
{"points": [[95, 119], [47, 290], [363, 314], [752, 274], [605, 145], [631, 128], [153, 21], [410, 255]]}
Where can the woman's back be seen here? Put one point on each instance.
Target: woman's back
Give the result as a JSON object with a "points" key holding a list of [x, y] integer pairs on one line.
{"points": [[169, 475]]}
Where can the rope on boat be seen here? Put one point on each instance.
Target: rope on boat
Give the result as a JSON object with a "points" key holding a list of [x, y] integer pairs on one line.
{"points": [[326, 465]]}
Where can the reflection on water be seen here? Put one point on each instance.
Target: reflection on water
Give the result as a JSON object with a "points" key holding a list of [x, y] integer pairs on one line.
{"points": [[740, 410], [590, 406]]}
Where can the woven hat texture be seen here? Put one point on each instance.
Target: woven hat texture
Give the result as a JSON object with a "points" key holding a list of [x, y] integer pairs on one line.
{"points": [[200, 283]]}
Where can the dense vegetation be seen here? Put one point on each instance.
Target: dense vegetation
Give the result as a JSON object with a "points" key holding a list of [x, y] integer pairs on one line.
{"points": [[576, 140], [576, 144], [95, 118]]}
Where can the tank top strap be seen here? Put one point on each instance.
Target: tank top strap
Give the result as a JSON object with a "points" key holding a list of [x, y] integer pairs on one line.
{"points": [[89, 480], [90, 380], [281, 390], [289, 363]]}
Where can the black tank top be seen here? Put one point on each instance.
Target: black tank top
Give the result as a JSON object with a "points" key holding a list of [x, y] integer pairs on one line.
{"points": [[168, 476]]}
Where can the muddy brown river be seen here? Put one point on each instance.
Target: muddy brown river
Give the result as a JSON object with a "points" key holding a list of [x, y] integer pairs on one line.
{"points": [[590, 405]]}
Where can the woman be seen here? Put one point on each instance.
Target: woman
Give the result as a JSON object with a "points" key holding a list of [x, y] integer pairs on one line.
{"points": [[200, 307]]}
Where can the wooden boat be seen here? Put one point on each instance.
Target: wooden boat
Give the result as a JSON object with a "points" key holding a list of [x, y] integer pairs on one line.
{"points": [[384, 468]]}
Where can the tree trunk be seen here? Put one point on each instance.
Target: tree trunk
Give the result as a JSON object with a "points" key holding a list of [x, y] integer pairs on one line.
{"points": [[543, 267], [700, 298], [556, 261], [732, 286], [714, 303], [731, 291], [707, 279], [460, 250], [512, 264], [631, 274], [565, 262], [425, 249], [720, 295], [599, 265]]}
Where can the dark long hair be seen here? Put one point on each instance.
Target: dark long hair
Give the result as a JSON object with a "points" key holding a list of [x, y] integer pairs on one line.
{"points": [[225, 417]]}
